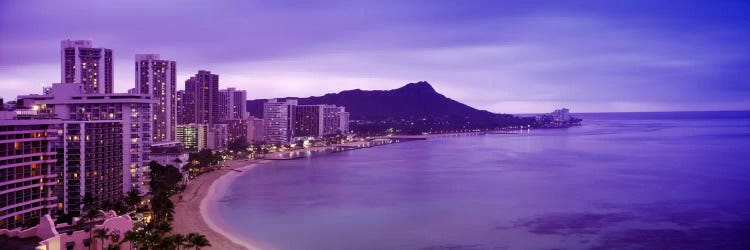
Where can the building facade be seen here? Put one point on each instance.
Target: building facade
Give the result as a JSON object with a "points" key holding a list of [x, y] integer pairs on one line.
{"points": [[92, 67], [232, 104], [157, 78], [308, 120], [277, 121], [27, 169], [193, 136], [104, 143], [180, 109], [201, 98], [218, 137]]}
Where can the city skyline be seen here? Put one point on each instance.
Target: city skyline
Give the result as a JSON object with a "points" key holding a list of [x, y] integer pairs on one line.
{"points": [[590, 57]]}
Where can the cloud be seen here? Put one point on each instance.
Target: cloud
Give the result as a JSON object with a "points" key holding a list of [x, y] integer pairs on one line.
{"points": [[500, 56]]}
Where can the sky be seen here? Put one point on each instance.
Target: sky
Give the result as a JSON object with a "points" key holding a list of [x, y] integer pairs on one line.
{"points": [[502, 56]]}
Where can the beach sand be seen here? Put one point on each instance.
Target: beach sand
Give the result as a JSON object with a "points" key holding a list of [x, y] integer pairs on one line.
{"points": [[192, 206]]}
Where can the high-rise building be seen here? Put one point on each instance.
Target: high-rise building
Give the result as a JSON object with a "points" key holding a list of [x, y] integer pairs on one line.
{"points": [[27, 169], [218, 137], [193, 136], [307, 120], [343, 119], [180, 109], [232, 104], [157, 78], [250, 128], [104, 140], [277, 121], [92, 67], [201, 98]]}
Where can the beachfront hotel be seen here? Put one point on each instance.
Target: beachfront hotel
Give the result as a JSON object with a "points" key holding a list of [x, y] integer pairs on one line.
{"points": [[232, 104], [250, 128], [201, 99], [104, 140], [92, 67], [277, 120], [158, 79], [27, 164], [193, 136]]}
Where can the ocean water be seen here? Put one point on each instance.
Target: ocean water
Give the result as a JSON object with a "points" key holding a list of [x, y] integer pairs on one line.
{"points": [[620, 181]]}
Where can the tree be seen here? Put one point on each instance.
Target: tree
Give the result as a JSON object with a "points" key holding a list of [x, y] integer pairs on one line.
{"points": [[88, 200], [133, 198], [197, 241], [102, 234], [135, 237], [90, 216], [238, 145], [178, 240]]}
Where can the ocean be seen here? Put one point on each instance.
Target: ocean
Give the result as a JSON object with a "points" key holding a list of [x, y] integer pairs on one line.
{"points": [[620, 181]]}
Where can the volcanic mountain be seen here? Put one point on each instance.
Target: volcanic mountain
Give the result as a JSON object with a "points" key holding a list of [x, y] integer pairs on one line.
{"points": [[415, 107]]}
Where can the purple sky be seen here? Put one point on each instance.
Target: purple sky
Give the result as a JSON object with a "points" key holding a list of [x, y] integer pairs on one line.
{"points": [[509, 57]]}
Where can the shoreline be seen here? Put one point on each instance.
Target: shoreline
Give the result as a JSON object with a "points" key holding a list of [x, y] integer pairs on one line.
{"points": [[194, 213]]}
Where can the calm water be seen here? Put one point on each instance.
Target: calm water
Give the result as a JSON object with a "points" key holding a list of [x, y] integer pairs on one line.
{"points": [[633, 181]]}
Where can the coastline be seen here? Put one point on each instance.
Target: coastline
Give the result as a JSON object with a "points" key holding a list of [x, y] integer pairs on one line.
{"points": [[194, 211]]}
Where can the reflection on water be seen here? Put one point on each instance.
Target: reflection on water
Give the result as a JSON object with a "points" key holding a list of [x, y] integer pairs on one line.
{"points": [[670, 181]]}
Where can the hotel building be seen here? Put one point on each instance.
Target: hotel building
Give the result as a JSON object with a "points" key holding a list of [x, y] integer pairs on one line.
{"points": [[27, 168], [277, 120], [193, 136], [308, 120], [232, 104], [250, 128], [201, 98], [104, 140], [157, 78], [92, 67]]}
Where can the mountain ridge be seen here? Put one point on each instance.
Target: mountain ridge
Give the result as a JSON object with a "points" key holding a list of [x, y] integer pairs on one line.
{"points": [[411, 109]]}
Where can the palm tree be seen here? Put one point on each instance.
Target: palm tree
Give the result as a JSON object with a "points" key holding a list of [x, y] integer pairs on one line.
{"points": [[197, 241], [179, 240], [102, 234], [133, 199], [135, 238], [90, 215], [114, 237]]}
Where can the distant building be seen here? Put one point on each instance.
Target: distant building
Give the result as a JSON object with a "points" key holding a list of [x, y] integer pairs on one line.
{"points": [[27, 173], [193, 136], [343, 119], [232, 104], [104, 142], [157, 78], [201, 99], [218, 137], [561, 115], [180, 109], [255, 130], [308, 120], [277, 120], [92, 67]]}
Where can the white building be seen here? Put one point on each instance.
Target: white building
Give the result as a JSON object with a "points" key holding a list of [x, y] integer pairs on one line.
{"points": [[92, 67], [218, 137], [232, 104], [157, 78], [193, 136], [277, 120], [27, 168], [105, 141]]}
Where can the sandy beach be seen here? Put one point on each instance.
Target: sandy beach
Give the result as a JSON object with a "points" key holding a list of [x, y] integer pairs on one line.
{"points": [[194, 205]]}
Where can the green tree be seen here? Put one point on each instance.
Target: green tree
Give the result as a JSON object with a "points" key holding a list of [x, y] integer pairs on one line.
{"points": [[238, 145]]}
